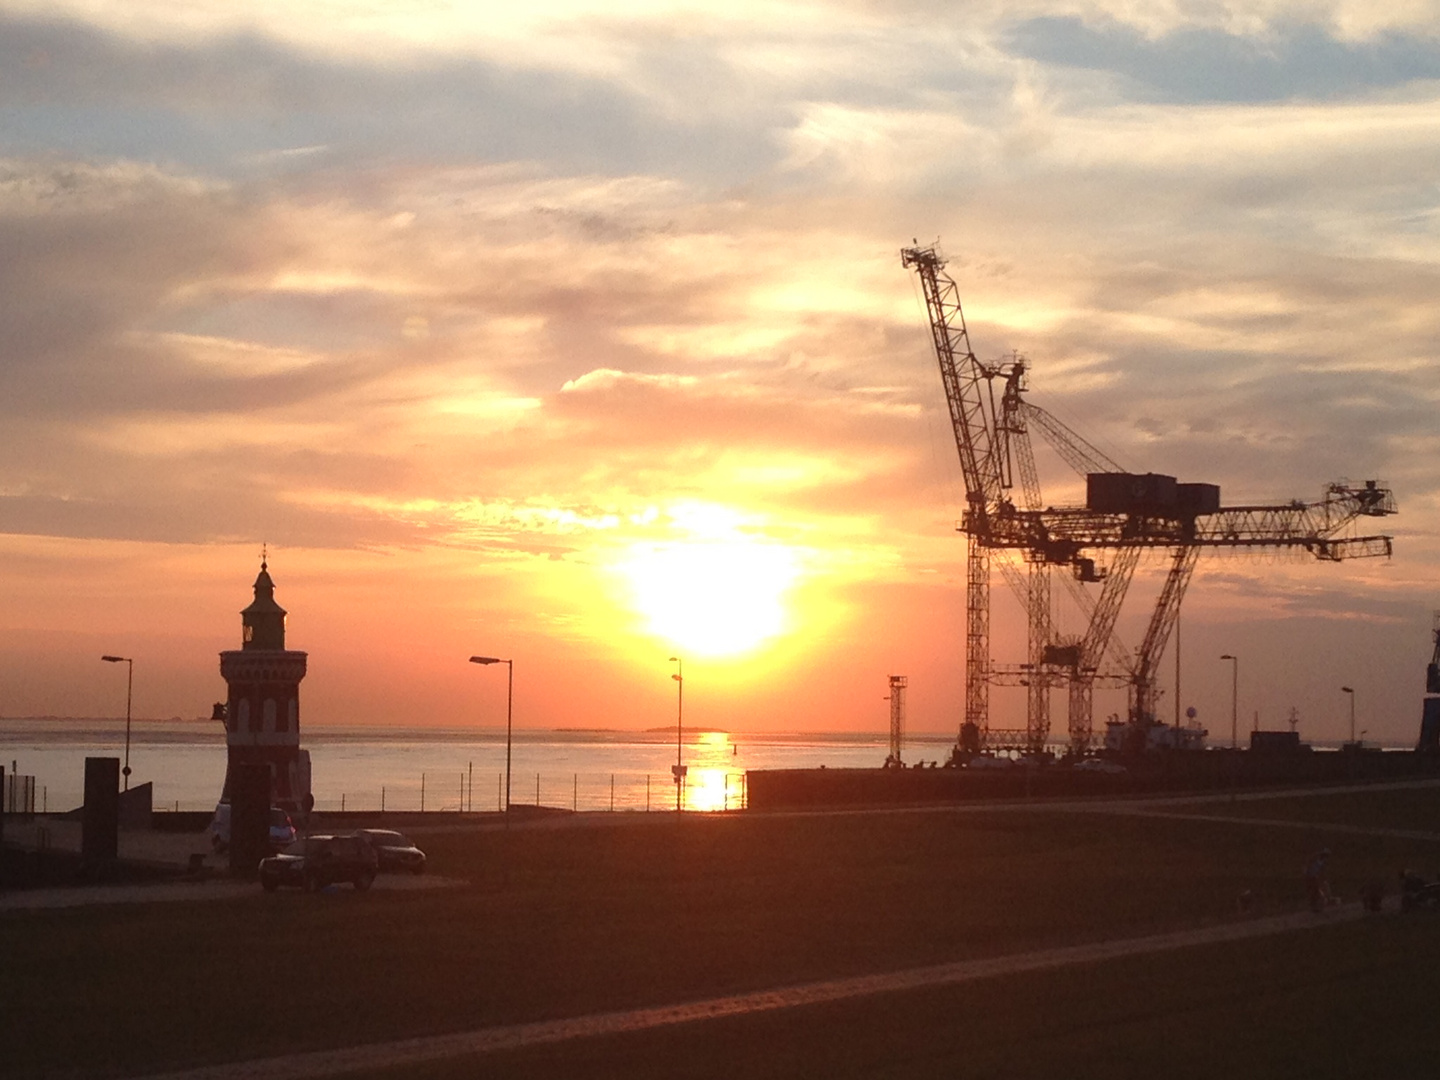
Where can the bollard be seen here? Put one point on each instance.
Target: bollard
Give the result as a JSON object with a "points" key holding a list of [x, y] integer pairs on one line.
{"points": [[250, 794], [101, 816]]}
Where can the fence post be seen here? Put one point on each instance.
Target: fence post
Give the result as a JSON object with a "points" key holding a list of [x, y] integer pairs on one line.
{"points": [[472, 787], [382, 798], [574, 794], [647, 793], [342, 802], [537, 790], [422, 792], [612, 792], [460, 806]]}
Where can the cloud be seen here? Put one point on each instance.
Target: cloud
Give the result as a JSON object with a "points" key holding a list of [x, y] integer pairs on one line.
{"points": [[240, 103], [1213, 64]]}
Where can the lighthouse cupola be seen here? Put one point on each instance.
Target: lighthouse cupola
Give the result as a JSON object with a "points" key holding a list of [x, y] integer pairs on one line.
{"points": [[263, 621]]}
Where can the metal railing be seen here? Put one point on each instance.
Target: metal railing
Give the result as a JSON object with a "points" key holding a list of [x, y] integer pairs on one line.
{"points": [[706, 791]]}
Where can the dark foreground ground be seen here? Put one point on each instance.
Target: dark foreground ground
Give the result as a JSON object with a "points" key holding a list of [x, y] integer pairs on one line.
{"points": [[567, 920]]}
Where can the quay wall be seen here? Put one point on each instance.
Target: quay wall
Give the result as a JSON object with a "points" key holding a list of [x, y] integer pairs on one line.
{"points": [[1200, 771]]}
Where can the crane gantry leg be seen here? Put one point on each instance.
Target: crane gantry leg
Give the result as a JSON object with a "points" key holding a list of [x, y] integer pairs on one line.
{"points": [[977, 644], [1037, 713], [1099, 636], [1162, 621]]}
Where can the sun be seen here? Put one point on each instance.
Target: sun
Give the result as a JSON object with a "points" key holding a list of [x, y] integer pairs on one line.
{"points": [[712, 597]]}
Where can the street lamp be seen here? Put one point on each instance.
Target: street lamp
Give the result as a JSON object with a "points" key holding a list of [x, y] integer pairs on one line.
{"points": [[509, 713], [679, 770], [1234, 698], [1351, 692], [129, 684]]}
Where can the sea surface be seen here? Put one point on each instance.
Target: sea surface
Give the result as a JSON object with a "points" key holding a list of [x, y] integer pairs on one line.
{"points": [[442, 769]]}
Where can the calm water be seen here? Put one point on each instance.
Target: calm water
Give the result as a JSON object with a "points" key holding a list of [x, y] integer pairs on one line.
{"points": [[357, 769]]}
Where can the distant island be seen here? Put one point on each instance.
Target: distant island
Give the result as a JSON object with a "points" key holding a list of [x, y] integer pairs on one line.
{"points": [[663, 729]]}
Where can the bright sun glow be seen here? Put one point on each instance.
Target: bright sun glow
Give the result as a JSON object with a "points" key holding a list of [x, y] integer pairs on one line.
{"points": [[711, 597]]}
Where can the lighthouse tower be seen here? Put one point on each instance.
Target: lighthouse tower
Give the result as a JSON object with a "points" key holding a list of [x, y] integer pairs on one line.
{"points": [[262, 714]]}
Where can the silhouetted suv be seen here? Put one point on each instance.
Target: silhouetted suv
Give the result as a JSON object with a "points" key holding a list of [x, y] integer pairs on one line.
{"points": [[395, 851], [282, 829], [317, 861]]}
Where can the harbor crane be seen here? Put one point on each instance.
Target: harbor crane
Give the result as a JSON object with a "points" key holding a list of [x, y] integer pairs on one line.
{"points": [[1099, 543]]}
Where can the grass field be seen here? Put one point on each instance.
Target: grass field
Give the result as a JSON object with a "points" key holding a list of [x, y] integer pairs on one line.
{"points": [[564, 921], [1416, 808], [1349, 1002]]}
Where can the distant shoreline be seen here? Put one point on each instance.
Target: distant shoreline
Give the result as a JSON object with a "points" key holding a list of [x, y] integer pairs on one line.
{"points": [[207, 728]]}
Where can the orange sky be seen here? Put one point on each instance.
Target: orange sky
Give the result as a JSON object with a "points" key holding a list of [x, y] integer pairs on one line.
{"points": [[583, 338]]}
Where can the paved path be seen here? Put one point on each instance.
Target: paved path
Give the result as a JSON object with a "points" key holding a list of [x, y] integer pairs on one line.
{"points": [[412, 1052], [1277, 823], [66, 896], [133, 845]]}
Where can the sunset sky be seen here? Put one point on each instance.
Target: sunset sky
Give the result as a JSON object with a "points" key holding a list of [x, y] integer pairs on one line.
{"points": [[578, 334]]}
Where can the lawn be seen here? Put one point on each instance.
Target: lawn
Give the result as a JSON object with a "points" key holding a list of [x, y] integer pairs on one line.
{"points": [[1416, 808], [1350, 1003], [562, 921]]}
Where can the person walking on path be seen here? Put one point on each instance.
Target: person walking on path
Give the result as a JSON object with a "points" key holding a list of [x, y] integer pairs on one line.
{"points": [[1317, 888]]}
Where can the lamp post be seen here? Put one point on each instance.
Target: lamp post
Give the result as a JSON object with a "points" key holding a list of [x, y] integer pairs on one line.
{"points": [[679, 769], [129, 684], [1351, 692], [1234, 699], [509, 714]]}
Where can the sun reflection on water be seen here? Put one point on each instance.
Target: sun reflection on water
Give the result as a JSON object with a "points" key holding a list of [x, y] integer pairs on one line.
{"points": [[714, 782]]}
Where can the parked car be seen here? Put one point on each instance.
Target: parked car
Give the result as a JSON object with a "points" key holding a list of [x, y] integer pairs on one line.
{"points": [[395, 851], [316, 861], [282, 829], [985, 761], [1100, 765]]}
